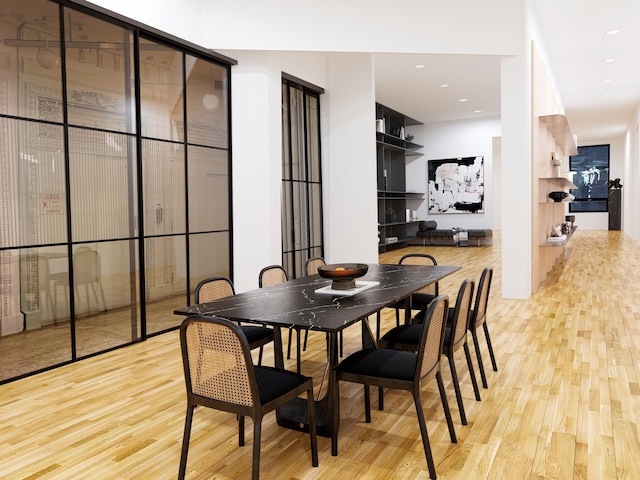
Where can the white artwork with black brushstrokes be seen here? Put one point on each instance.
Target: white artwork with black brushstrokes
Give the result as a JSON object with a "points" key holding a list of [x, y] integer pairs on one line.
{"points": [[456, 185]]}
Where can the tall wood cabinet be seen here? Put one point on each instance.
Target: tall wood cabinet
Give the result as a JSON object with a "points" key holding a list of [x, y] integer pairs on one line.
{"points": [[395, 204]]}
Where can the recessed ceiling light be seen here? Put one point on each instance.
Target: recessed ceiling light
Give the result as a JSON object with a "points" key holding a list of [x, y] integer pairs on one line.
{"points": [[477, 111], [463, 100], [418, 66], [606, 80], [444, 85], [610, 60], [605, 95], [615, 31]]}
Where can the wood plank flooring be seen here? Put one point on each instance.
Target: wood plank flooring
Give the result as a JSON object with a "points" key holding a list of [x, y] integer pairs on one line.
{"points": [[565, 402]]}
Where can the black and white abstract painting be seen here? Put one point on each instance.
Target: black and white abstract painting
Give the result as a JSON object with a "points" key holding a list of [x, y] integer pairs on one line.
{"points": [[456, 185]]}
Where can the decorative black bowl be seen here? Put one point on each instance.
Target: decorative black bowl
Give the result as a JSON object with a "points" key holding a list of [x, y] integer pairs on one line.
{"points": [[343, 274], [558, 196]]}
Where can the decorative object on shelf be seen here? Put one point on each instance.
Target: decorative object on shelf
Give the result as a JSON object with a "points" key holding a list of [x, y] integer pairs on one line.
{"points": [[409, 137], [456, 185], [556, 231], [614, 184], [343, 274], [570, 219], [556, 163], [380, 125], [558, 196]]}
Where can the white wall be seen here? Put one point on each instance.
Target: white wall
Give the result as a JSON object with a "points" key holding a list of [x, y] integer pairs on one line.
{"points": [[631, 179], [600, 220], [469, 138]]}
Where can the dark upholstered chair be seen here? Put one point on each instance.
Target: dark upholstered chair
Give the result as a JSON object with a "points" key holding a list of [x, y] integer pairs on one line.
{"points": [[219, 374], [272, 275], [404, 370], [406, 337], [215, 288], [479, 319]]}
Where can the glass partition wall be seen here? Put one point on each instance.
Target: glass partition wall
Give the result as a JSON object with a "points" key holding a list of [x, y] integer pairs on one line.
{"points": [[114, 181]]}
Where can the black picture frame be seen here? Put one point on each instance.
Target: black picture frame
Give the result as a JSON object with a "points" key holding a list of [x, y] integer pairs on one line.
{"points": [[590, 169]]}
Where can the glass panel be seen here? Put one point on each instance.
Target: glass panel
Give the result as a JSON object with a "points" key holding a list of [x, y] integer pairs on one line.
{"points": [[166, 281], [103, 185], [315, 208], [298, 166], [106, 286], [32, 335], [32, 184], [100, 74], [30, 68], [208, 189], [209, 257], [207, 122], [161, 88], [287, 228], [164, 187], [286, 148], [313, 139], [300, 218]]}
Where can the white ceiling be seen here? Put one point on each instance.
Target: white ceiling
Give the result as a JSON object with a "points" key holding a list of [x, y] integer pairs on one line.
{"points": [[574, 32]]}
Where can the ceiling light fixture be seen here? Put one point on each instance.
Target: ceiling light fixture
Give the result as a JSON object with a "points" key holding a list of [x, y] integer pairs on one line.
{"points": [[477, 111], [605, 95], [606, 80], [463, 100], [418, 66], [444, 85], [615, 31], [610, 60]]}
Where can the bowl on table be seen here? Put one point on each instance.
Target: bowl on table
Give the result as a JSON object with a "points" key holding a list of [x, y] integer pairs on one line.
{"points": [[343, 274]]}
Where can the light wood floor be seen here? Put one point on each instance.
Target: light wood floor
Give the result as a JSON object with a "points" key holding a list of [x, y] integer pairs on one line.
{"points": [[565, 402]]}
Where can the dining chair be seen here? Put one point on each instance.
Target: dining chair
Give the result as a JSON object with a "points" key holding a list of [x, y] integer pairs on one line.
{"points": [[272, 275], [479, 319], [219, 374], [215, 288], [406, 337], [87, 272], [385, 367]]}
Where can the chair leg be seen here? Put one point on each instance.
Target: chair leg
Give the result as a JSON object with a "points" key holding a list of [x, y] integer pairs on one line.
{"points": [[476, 345], [298, 352], [241, 430], [456, 387], [445, 406], [306, 337], [260, 356], [340, 336], [312, 427], [493, 358], [289, 347], [378, 320], [185, 442], [472, 372], [423, 432], [367, 404], [257, 431]]}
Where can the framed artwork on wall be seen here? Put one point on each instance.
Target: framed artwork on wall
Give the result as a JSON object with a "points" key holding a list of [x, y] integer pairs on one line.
{"points": [[456, 185], [590, 169]]}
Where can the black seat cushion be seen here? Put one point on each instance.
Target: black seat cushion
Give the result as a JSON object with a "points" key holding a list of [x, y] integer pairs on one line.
{"points": [[274, 382], [255, 333], [387, 363], [405, 334]]}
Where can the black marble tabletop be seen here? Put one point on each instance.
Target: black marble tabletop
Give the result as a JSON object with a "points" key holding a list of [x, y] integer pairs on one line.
{"points": [[296, 304]]}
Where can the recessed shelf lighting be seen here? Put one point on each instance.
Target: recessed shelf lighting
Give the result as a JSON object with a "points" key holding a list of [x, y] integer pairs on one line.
{"points": [[610, 60], [463, 100], [615, 31], [418, 66]]}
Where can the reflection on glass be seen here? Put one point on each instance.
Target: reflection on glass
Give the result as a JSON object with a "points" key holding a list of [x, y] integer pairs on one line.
{"points": [[313, 132], [207, 122], [209, 257], [165, 281], [100, 74], [161, 87], [33, 186], [315, 214], [103, 185], [164, 187], [208, 189], [34, 331], [106, 299]]}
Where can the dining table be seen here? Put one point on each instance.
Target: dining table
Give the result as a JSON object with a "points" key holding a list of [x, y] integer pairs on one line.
{"points": [[311, 303]]}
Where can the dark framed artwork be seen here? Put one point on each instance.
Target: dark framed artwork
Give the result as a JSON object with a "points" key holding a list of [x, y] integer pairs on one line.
{"points": [[590, 169], [456, 185]]}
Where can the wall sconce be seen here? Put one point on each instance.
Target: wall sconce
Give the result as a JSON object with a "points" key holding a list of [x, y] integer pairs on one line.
{"points": [[47, 58]]}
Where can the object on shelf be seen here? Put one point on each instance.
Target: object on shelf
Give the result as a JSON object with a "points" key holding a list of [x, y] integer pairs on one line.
{"points": [[389, 240], [558, 196], [559, 240], [556, 231], [380, 125], [570, 219], [556, 163]]}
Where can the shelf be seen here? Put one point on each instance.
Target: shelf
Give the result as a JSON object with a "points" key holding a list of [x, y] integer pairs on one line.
{"points": [[562, 182], [396, 142], [389, 194], [558, 126], [549, 244], [395, 224]]}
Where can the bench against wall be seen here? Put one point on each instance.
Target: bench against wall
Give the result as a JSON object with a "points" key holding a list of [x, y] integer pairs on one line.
{"points": [[429, 234]]}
